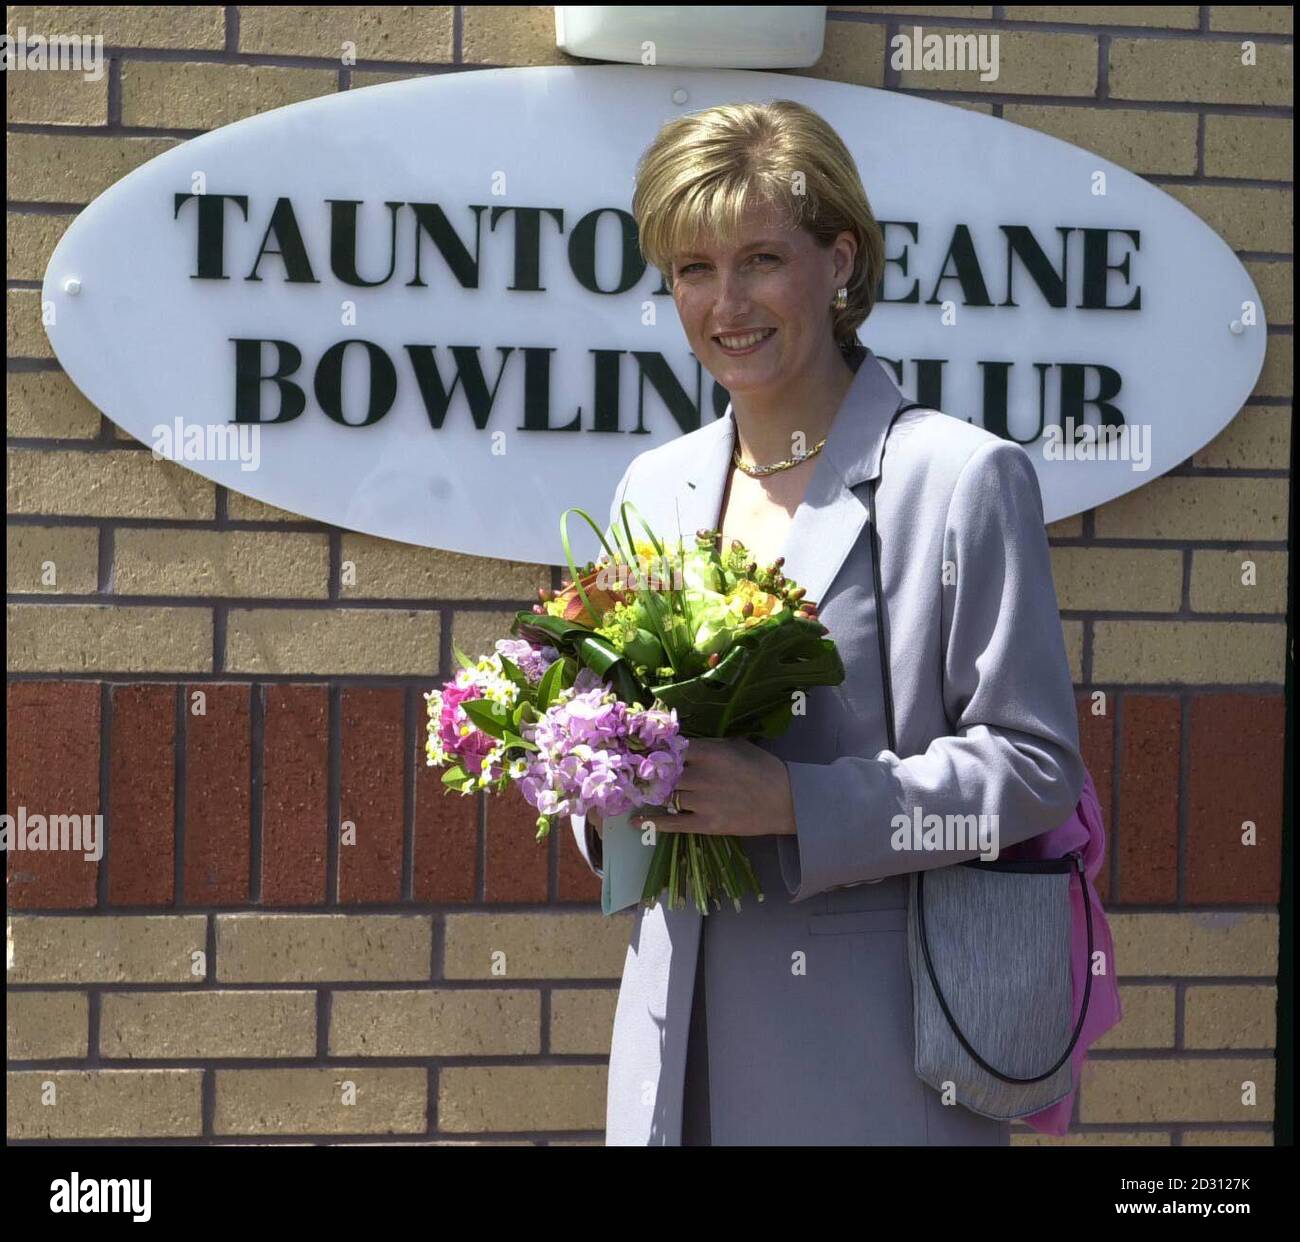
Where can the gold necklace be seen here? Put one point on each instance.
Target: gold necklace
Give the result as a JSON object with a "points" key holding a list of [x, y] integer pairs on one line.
{"points": [[758, 472]]}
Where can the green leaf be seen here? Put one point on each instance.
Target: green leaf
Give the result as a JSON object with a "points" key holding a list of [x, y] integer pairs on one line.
{"points": [[588, 648], [516, 674], [455, 776], [489, 716], [464, 660], [513, 739], [551, 684], [748, 693]]}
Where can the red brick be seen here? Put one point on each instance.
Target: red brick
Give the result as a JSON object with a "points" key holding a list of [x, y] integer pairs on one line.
{"points": [[1236, 756], [517, 863], [142, 796], [1150, 736], [295, 795], [53, 740], [446, 833], [374, 745], [575, 880], [218, 797], [1097, 746]]}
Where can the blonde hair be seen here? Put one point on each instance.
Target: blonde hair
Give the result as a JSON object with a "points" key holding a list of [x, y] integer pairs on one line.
{"points": [[704, 170]]}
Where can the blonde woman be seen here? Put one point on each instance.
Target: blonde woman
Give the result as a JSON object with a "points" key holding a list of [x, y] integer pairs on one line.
{"points": [[790, 1021]]}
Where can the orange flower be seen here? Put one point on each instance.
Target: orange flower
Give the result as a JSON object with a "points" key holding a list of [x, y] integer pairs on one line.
{"points": [[603, 598]]}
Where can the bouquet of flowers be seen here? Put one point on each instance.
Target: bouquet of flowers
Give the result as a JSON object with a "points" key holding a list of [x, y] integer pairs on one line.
{"points": [[592, 704]]}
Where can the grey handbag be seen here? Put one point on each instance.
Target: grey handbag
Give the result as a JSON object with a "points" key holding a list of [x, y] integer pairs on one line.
{"points": [[1000, 933]]}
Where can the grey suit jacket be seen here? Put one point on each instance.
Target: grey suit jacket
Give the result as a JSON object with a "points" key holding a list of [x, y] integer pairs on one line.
{"points": [[984, 710]]}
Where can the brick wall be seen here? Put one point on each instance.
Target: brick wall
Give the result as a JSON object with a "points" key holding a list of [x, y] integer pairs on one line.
{"points": [[199, 671]]}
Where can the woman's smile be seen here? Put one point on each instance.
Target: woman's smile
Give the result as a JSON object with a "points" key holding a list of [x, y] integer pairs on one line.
{"points": [[735, 346]]}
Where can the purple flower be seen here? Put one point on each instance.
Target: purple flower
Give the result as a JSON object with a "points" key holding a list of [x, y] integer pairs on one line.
{"points": [[533, 661]]}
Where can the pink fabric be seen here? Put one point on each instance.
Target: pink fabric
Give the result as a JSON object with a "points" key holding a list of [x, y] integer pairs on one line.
{"points": [[1085, 831]]}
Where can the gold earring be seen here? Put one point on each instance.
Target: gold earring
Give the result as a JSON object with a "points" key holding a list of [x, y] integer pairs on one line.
{"points": [[841, 299]]}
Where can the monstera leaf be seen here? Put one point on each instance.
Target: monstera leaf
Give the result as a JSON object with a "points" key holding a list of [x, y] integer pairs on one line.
{"points": [[589, 649], [749, 692]]}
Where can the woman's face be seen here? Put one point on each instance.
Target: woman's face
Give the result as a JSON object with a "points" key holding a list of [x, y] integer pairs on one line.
{"points": [[774, 281]]}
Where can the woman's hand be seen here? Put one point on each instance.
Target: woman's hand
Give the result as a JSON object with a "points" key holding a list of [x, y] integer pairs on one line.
{"points": [[730, 787]]}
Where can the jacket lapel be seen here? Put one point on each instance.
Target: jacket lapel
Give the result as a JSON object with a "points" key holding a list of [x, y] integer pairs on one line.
{"points": [[833, 512]]}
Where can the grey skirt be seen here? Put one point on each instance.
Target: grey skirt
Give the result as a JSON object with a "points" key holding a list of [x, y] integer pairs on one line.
{"points": [[818, 1056]]}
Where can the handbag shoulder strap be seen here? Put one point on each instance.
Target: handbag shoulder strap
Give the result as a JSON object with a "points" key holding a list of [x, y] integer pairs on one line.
{"points": [[878, 592], [877, 588]]}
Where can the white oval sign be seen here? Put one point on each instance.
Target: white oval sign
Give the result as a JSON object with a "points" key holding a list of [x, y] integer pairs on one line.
{"points": [[418, 310]]}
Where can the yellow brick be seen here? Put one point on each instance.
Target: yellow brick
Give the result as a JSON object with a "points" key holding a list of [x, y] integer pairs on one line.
{"points": [[1218, 586], [190, 95], [474, 633], [342, 1099], [1230, 1016], [1202, 71], [1172, 16], [102, 638], [1195, 944], [104, 948], [1029, 63], [48, 404], [852, 52], [382, 569], [918, 10], [1274, 282], [1227, 1138], [1138, 1091], [1253, 18], [319, 948], [1258, 438], [1130, 579], [1247, 218], [241, 508], [1067, 528], [53, 560], [362, 78], [63, 168], [169, 1025], [412, 33], [31, 241], [220, 563], [1148, 1021], [126, 483], [1256, 147], [521, 1097], [1146, 142], [24, 330], [510, 947], [1195, 652], [45, 1026], [1277, 379], [128, 25], [1072, 632], [360, 642], [71, 96], [510, 34], [117, 1104], [582, 1020], [1095, 1138], [1182, 508], [442, 1022]]}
